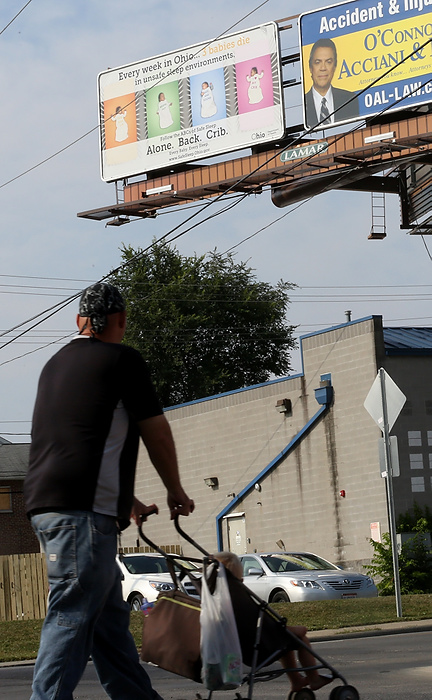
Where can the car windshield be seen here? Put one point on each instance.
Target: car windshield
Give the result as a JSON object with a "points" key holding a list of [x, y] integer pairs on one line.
{"points": [[151, 565], [279, 563]]}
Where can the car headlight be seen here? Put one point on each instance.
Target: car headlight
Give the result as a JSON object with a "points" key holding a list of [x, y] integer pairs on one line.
{"points": [[158, 586], [369, 581], [306, 583]]}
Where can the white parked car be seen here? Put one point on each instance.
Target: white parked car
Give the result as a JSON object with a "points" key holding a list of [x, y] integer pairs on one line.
{"points": [[278, 577], [145, 576]]}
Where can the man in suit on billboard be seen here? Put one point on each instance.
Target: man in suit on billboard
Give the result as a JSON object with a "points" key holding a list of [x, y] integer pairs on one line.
{"points": [[324, 103]]}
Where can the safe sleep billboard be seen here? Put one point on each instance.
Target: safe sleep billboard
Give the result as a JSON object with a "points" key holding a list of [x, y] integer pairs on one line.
{"points": [[204, 100], [364, 57]]}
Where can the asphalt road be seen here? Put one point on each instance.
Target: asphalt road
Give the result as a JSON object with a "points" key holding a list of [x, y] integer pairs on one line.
{"points": [[388, 667]]}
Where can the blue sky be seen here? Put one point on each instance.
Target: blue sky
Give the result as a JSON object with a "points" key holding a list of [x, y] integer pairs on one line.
{"points": [[51, 56]]}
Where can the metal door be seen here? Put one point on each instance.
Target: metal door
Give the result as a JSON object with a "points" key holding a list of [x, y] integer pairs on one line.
{"points": [[236, 527]]}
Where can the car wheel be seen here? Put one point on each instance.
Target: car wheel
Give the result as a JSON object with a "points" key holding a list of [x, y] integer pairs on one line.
{"points": [[136, 601], [280, 597]]}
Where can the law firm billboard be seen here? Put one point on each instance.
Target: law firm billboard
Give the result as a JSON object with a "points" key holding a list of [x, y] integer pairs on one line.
{"points": [[362, 58], [197, 102]]}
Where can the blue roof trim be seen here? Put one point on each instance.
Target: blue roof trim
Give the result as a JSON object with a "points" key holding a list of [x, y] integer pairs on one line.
{"points": [[340, 325], [274, 463], [397, 341], [234, 391]]}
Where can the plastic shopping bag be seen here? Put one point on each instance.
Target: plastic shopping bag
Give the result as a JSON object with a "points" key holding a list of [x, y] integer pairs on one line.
{"points": [[220, 646]]}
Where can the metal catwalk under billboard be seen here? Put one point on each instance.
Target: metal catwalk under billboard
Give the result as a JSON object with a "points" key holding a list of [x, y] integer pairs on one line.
{"points": [[357, 62], [197, 102]]}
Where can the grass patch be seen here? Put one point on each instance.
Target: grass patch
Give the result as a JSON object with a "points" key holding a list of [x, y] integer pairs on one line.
{"points": [[334, 614], [19, 640]]}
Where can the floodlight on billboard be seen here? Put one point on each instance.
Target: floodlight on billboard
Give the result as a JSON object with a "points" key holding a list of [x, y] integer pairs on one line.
{"points": [[197, 102], [363, 57]]}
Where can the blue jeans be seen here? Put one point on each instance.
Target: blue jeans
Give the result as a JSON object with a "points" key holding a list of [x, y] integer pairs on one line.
{"points": [[86, 613]]}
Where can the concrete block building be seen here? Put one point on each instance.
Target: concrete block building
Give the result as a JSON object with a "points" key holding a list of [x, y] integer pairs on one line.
{"points": [[294, 462]]}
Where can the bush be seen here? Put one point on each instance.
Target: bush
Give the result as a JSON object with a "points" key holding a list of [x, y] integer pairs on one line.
{"points": [[415, 564]]}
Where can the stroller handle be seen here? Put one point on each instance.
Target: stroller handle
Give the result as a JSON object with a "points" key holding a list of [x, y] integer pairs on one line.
{"points": [[148, 541], [187, 537]]}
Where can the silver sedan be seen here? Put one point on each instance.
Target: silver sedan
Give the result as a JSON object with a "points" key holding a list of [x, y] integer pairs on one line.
{"points": [[301, 576]]}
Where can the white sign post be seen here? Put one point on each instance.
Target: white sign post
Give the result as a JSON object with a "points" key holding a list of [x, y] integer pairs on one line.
{"points": [[384, 403]]}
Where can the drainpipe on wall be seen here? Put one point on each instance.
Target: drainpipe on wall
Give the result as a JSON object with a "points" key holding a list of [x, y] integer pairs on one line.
{"points": [[324, 396]]}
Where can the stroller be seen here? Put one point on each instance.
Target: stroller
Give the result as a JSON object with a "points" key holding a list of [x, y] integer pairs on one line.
{"points": [[171, 634]]}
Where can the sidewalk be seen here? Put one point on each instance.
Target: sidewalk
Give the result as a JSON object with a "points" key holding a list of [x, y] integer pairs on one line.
{"points": [[371, 630]]}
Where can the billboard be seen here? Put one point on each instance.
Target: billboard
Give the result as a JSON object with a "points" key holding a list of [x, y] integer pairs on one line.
{"points": [[193, 103], [362, 57]]}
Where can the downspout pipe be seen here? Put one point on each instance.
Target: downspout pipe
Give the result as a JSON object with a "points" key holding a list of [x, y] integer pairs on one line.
{"points": [[324, 396]]}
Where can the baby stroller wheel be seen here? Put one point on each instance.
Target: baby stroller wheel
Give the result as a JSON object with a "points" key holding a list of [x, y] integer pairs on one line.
{"points": [[344, 692], [303, 694]]}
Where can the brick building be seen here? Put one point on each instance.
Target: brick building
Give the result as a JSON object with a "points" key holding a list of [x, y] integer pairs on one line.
{"points": [[295, 462], [17, 536]]}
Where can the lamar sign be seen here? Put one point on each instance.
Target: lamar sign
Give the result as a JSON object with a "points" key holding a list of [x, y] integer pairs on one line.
{"points": [[304, 151]]}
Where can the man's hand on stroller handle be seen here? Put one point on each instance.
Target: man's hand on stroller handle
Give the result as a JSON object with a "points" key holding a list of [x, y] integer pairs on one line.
{"points": [[179, 503], [140, 511]]}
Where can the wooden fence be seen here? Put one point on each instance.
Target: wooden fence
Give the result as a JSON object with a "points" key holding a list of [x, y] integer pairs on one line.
{"points": [[24, 583], [23, 587], [168, 548]]}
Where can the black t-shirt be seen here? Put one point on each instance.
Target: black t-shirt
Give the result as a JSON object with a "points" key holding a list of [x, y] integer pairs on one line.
{"points": [[91, 395]]}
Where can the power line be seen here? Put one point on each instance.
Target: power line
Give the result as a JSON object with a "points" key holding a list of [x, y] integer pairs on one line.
{"points": [[215, 39], [46, 160], [195, 284], [27, 286], [56, 279], [14, 18], [54, 155], [95, 128], [298, 297], [307, 132], [163, 238], [264, 228], [211, 203], [296, 291], [427, 249]]}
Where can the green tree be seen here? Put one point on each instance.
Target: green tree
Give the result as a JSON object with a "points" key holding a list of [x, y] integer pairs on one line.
{"points": [[205, 324]]}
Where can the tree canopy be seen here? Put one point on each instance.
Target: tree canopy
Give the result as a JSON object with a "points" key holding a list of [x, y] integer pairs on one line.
{"points": [[204, 324]]}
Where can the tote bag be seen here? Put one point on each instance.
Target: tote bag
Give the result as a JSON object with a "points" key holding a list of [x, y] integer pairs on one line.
{"points": [[171, 634]]}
